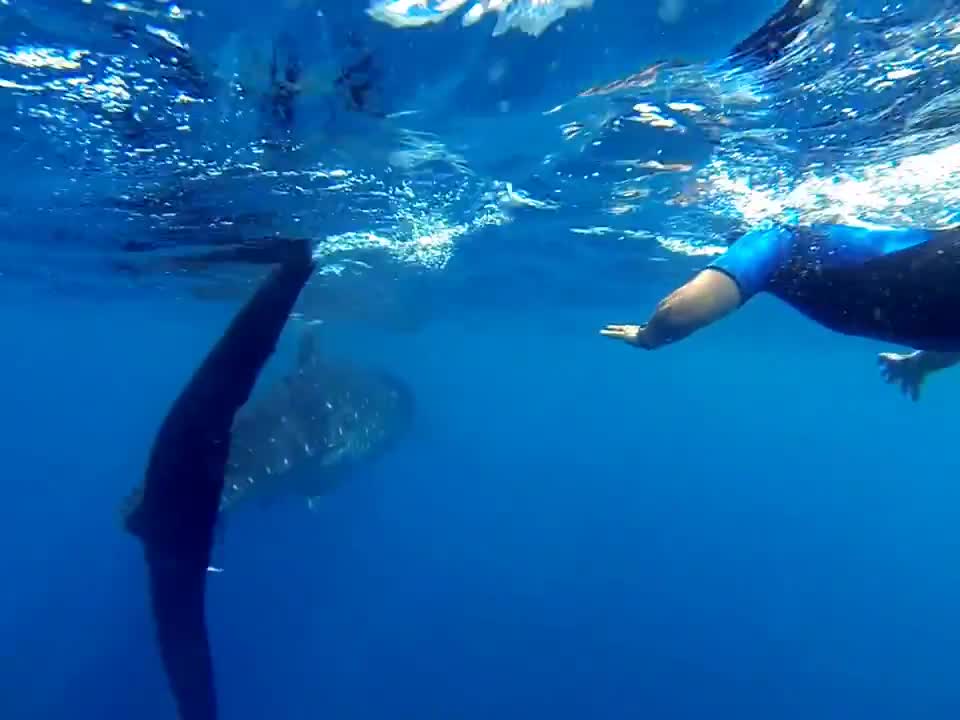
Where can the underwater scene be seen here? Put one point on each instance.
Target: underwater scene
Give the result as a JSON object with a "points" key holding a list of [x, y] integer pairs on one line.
{"points": [[472, 359]]}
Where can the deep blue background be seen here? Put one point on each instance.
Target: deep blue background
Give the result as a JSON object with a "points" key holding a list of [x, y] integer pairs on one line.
{"points": [[748, 524]]}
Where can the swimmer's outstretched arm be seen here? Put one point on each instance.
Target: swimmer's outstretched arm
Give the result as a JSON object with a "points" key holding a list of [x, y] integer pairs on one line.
{"points": [[910, 370], [711, 295]]}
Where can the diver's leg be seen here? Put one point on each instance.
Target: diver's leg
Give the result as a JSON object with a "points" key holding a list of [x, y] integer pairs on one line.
{"points": [[230, 371], [177, 599], [176, 512], [185, 476]]}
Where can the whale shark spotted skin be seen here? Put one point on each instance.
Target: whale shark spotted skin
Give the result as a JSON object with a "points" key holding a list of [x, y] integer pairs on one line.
{"points": [[309, 429]]}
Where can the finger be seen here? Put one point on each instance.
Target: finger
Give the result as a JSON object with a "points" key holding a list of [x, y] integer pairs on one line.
{"points": [[619, 334], [888, 360]]}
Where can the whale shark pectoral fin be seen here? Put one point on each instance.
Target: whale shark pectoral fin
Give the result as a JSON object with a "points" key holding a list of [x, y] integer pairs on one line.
{"points": [[129, 515], [315, 492]]}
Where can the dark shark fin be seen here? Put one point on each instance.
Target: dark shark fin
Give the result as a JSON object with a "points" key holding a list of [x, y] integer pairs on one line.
{"points": [[175, 512]]}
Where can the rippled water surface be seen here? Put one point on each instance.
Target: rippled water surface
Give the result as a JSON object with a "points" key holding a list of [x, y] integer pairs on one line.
{"points": [[527, 144]]}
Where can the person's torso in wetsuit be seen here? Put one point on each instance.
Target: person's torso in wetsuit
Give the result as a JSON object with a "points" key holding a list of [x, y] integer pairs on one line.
{"points": [[896, 285]]}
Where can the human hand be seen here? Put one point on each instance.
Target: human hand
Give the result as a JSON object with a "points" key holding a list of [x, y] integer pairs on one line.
{"points": [[631, 334], [903, 370]]}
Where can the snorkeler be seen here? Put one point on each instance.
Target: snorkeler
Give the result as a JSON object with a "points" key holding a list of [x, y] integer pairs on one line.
{"points": [[175, 511], [896, 285]]}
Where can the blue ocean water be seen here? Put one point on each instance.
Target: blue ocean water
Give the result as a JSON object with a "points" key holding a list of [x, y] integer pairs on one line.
{"points": [[747, 524]]}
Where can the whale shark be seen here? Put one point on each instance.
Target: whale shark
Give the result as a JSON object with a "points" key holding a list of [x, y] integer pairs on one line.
{"points": [[174, 512], [310, 429]]}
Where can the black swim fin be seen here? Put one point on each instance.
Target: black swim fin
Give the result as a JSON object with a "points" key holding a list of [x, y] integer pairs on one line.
{"points": [[174, 513]]}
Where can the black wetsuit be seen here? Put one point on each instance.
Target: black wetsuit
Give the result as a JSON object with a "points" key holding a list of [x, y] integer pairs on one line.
{"points": [[899, 286]]}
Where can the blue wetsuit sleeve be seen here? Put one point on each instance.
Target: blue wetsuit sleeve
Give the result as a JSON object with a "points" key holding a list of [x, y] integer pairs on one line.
{"points": [[754, 259]]}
